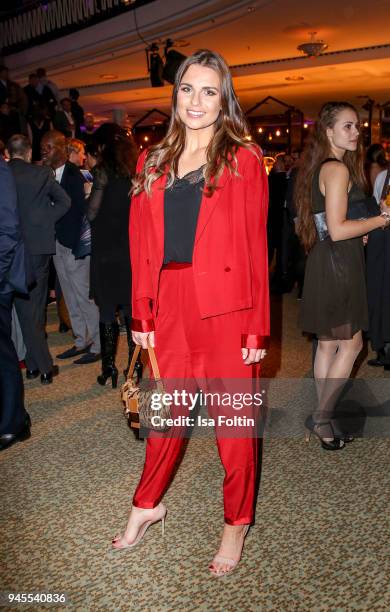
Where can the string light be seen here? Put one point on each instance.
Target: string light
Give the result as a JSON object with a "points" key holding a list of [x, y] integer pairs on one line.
{"points": [[248, 137], [277, 133], [270, 137], [365, 124]]}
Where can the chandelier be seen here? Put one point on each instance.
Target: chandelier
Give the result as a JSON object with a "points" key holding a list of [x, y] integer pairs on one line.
{"points": [[314, 47]]}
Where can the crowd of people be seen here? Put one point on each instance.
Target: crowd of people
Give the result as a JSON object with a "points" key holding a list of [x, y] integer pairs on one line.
{"points": [[37, 108], [198, 265]]}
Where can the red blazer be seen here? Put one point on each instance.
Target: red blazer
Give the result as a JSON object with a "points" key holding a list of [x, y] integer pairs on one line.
{"points": [[230, 261]]}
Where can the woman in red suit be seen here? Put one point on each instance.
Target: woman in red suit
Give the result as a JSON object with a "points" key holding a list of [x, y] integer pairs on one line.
{"points": [[200, 279]]}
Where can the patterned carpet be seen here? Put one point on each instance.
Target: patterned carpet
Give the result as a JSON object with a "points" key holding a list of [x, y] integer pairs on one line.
{"points": [[320, 542]]}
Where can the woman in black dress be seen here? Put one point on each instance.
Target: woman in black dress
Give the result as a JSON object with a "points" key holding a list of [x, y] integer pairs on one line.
{"points": [[108, 213], [332, 207]]}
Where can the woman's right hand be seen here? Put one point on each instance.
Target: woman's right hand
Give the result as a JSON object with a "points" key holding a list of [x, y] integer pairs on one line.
{"points": [[143, 338]]}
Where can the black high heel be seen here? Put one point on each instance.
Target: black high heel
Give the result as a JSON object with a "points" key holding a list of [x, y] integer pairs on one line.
{"points": [[332, 444], [104, 376], [139, 366], [309, 425], [109, 333]]}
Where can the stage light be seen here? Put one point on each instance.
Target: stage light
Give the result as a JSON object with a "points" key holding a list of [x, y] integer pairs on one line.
{"points": [[173, 60], [159, 70], [155, 65]]}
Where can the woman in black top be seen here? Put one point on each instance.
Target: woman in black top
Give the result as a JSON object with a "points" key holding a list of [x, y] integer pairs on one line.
{"points": [[108, 213], [329, 197], [200, 285]]}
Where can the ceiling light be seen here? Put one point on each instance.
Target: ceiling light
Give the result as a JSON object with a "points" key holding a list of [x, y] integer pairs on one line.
{"points": [[314, 47], [108, 77]]}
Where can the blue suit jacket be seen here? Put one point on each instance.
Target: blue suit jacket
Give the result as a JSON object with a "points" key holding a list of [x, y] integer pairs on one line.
{"points": [[15, 272]]}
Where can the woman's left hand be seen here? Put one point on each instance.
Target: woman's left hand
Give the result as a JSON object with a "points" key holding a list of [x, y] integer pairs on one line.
{"points": [[253, 355]]}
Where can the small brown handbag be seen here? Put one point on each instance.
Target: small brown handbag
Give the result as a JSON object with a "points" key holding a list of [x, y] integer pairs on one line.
{"points": [[137, 398]]}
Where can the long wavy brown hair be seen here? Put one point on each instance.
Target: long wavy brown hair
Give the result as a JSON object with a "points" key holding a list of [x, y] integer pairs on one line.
{"points": [[318, 149], [229, 134]]}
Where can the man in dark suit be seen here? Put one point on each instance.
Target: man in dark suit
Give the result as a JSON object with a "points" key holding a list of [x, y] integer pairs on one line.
{"points": [[34, 99], [14, 276], [4, 84], [41, 202], [64, 120], [77, 111], [73, 273]]}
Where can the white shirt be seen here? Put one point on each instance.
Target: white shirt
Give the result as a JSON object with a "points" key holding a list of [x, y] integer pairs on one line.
{"points": [[59, 172], [379, 184]]}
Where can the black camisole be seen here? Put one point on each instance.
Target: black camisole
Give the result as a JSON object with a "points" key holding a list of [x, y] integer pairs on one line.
{"points": [[181, 210]]}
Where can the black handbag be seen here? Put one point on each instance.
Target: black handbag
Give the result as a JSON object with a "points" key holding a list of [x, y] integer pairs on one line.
{"points": [[357, 211], [83, 247]]}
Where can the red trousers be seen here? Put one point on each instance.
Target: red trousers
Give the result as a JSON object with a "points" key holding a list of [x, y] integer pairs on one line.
{"points": [[191, 348]]}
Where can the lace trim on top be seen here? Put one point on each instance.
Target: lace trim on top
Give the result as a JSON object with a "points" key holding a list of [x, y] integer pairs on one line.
{"points": [[193, 177]]}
